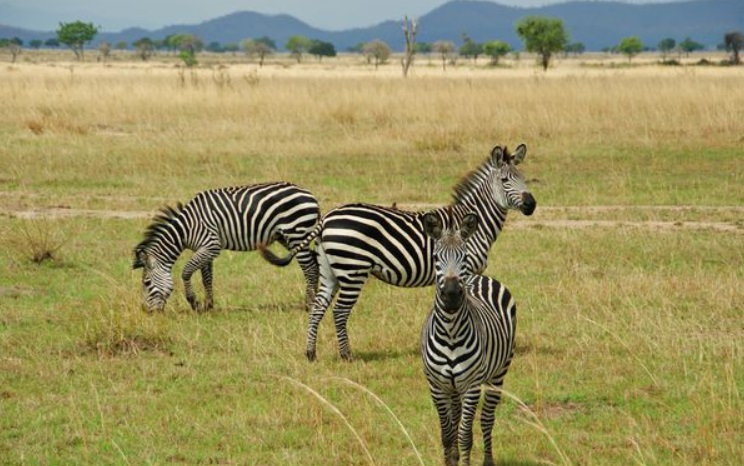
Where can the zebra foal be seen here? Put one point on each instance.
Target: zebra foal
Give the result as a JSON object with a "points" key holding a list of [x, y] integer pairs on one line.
{"points": [[235, 218], [355, 241], [467, 341]]}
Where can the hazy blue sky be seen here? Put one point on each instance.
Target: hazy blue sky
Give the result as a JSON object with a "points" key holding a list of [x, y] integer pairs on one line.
{"points": [[114, 15]]}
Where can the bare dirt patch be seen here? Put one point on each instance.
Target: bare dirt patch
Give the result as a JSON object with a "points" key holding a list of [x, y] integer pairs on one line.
{"points": [[64, 212]]}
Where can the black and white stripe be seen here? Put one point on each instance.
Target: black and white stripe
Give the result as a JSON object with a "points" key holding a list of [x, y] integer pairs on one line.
{"points": [[467, 341], [355, 241], [234, 218]]}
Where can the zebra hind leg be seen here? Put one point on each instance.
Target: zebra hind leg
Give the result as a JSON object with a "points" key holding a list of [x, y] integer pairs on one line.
{"points": [[347, 297], [310, 269]]}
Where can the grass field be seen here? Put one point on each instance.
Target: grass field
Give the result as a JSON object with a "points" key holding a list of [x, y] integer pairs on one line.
{"points": [[628, 278]]}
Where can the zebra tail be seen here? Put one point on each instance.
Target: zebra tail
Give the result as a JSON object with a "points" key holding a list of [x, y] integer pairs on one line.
{"points": [[272, 258]]}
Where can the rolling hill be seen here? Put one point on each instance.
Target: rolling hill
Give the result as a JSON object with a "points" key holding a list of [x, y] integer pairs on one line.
{"points": [[597, 24]]}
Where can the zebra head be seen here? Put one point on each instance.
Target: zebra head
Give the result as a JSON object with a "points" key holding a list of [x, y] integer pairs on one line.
{"points": [[509, 187], [157, 280], [450, 258]]}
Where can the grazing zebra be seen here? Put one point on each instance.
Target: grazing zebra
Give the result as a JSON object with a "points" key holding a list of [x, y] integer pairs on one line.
{"points": [[234, 218], [467, 341], [355, 241]]}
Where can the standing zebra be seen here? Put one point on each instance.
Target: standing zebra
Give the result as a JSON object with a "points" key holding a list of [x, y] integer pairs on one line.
{"points": [[234, 218], [358, 240], [467, 341]]}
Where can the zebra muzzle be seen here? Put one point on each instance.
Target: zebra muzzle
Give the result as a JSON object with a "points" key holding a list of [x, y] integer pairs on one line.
{"points": [[453, 293], [528, 204]]}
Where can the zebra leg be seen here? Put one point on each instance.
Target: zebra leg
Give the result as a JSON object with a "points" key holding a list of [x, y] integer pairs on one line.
{"points": [[326, 291], [206, 274], [309, 265], [448, 422], [198, 261], [492, 399], [469, 404], [347, 297]]}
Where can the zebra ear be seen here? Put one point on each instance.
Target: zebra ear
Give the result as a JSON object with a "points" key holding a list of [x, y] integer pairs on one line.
{"points": [[498, 156], [519, 155], [433, 226], [469, 225]]}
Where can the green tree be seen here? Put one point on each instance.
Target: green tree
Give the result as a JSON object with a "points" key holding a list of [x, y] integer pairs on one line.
{"points": [[215, 47], [688, 46], [470, 48], [144, 47], [377, 51], [543, 36], [734, 42], [630, 46], [665, 46], [422, 47], [576, 48], [75, 35], [121, 45], [36, 43], [444, 49], [297, 45], [496, 49], [321, 49], [53, 43]]}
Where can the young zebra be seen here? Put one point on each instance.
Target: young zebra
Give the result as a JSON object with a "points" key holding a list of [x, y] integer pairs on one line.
{"points": [[234, 218], [467, 341], [358, 240]]}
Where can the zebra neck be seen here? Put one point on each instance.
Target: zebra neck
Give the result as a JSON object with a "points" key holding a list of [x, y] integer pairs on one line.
{"points": [[491, 215], [169, 242], [451, 320]]}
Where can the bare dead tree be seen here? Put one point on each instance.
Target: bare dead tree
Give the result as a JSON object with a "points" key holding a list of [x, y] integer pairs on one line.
{"points": [[410, 28]]}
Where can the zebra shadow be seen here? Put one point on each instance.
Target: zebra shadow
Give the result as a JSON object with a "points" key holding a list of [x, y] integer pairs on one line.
{"points": [[513, 462], [385, 355], [283, 307]]}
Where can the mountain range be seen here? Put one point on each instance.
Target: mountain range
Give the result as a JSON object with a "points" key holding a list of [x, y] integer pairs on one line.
{"points": [[596, 24]]}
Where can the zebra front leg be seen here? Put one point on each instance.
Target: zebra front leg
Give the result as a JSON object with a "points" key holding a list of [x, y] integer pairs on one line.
{"points": [[206, 274], [492, 399], [203, 257], [448, 423], [469, 404]]}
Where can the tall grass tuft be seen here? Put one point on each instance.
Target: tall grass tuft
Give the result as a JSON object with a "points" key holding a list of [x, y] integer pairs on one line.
{"points": [[117, 326]]}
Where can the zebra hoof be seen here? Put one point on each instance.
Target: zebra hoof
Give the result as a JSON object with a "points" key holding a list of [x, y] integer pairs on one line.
{"points": [[310, 355]]}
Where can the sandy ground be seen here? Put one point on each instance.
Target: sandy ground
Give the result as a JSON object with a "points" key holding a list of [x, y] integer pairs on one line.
{"points": [[515, 221]]}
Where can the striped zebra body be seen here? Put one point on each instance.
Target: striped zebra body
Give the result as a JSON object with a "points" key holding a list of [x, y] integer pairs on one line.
{"points": [[234, 218], [355, 241], [467, 342]]}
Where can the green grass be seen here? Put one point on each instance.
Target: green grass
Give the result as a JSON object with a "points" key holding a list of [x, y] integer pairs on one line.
{"points": [[629, 350]]}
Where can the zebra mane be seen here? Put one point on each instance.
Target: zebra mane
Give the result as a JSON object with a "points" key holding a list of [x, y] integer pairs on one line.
{"points": [[163, 218], [465, 187]]}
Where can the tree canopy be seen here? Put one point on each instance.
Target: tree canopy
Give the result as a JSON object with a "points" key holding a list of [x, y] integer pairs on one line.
{"points": [[321, 49], [75, 35], [630, 46], [541, 35]]}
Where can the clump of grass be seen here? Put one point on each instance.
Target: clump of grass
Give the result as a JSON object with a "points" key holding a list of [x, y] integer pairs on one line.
{"points": [[117, 326], [38, 240]]}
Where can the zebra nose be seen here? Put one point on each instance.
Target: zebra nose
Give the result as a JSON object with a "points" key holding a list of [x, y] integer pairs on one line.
{"points": [[528, 204], [452, 293]]}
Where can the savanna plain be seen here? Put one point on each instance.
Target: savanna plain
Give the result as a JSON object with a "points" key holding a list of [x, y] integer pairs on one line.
{"points": [[628, 277]]}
